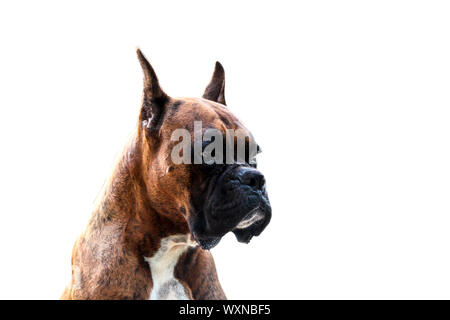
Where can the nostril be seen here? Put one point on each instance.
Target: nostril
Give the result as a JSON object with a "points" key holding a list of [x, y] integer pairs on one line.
{"points": [[252, 183], [254, 180]]}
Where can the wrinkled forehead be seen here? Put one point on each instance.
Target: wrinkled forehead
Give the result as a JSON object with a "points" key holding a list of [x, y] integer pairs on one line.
{"points": [[194, 113]]}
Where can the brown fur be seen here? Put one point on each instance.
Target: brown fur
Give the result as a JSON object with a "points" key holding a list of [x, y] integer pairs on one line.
{"points": [[146, 199]]}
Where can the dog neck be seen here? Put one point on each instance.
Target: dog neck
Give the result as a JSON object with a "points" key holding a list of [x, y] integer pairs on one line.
{"points": [[125, 202]]}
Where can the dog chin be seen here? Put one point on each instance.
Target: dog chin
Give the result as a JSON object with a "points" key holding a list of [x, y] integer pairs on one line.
{"points": [[253, 223], [208, 244], [243, 232]]}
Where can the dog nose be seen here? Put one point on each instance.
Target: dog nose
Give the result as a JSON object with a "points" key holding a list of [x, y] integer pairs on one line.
{"points": [[254, 179]]}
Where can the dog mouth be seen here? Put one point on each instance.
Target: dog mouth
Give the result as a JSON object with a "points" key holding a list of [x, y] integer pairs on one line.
{"points": [[253, 223], [252, 217]]}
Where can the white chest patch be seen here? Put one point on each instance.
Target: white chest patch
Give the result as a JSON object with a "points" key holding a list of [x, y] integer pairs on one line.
{"points": [[162, 265]]}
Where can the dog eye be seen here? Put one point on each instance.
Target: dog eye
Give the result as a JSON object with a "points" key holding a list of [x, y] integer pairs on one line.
{"points": [[252, 160], [251, 153]]}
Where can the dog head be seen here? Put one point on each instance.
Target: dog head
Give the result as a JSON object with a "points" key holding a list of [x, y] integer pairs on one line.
{"points": [[200, 162]]}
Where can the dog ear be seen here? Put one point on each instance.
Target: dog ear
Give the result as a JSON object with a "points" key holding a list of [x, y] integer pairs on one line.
{"points": [[215, 91], [154, 98]]}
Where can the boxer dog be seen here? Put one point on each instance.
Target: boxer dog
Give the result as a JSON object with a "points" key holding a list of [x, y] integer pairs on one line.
{"points": [[154, 222]]}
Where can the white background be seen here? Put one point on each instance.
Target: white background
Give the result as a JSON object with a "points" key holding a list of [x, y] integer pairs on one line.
{"points": [[349, 101]]}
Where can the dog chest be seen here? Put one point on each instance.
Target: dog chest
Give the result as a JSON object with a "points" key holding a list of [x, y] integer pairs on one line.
{"points": [[162, 265]]}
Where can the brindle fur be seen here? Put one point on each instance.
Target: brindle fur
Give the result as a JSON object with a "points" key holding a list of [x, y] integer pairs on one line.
{"points": [[146, 199]]}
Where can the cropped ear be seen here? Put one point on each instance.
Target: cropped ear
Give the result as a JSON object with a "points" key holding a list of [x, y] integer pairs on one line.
{"points": [[215, 91], [154, 99]]}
